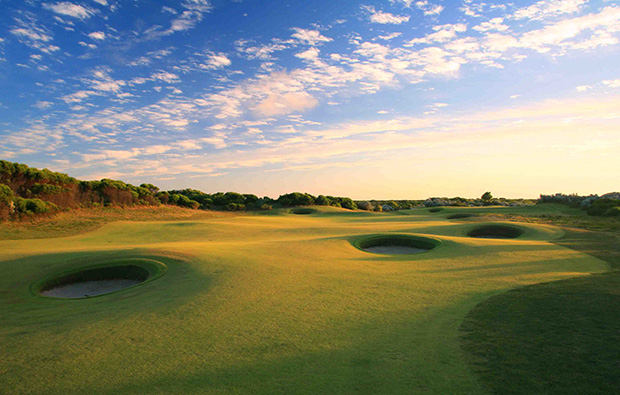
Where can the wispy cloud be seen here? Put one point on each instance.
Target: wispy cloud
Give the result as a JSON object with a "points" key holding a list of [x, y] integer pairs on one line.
{"points": [[69, 9], [378, 16]]}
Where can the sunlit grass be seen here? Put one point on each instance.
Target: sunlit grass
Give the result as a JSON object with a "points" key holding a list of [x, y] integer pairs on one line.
{"points": [[274, 303]]}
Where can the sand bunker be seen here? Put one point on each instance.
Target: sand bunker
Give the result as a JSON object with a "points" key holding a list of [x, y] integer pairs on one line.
{"points": [[396, 250], [85, 289], [99, 280], [495, 232], [303, 211], [397, 244], [460, 215]]}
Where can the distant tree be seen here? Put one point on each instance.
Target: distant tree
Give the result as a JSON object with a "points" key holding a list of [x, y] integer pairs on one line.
{"points": [[365, 206], [322, 200], [347, 203], [296, 199], [486, 196], [152, 188]]}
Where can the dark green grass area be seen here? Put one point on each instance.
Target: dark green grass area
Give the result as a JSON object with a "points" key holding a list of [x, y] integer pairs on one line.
{"points": [[560, 337], [435, 210], [303, 210], [495, 232], [461, 216]]}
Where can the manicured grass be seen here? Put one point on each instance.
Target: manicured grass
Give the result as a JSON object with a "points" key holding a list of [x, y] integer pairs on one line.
{"points": [[266, 304], [561, 337]]}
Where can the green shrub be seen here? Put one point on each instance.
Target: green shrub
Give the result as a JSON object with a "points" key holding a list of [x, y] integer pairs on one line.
{"points": [[37, 206], [600, 206], [6, 194], [348, 203], [612, 212]]}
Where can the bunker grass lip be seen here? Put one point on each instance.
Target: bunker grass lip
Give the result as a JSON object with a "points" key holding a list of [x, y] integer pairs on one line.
{"points": [[303, 210], [461, 215], [101, 279], [495, 231], [396, 244]]}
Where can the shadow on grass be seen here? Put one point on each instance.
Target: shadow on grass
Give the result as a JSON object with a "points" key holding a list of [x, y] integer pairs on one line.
{"points": [[561, 337]]}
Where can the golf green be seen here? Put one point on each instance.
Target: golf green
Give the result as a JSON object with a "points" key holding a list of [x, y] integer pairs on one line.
{"points": [[277, 303]]}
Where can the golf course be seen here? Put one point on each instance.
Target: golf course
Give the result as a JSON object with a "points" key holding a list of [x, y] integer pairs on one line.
{"points": [[293, 301]]}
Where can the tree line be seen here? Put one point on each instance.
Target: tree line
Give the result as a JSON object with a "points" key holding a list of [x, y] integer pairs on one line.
{"points": [[27, 191]]}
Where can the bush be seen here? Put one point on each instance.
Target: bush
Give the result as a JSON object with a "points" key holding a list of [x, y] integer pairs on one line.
{"points": [[612, 212], [322, 200], [6, 194], [600, 206], [347, 203], [365, 206], [234, 207], [296, 199], [36, 206]]}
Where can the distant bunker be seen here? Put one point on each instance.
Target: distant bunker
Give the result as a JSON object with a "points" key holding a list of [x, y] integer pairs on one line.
{"points": [[495, 232], [101, 279], [435, 209], [461, 215], [303, 211], [397, 244]]}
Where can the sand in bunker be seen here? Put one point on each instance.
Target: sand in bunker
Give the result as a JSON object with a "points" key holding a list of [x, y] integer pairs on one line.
{"points": [[89, 288], [394, 250]]}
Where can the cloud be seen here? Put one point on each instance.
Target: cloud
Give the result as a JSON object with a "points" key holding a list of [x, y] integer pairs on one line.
{"points": [[37, 37], [548, 9], [583, 88], [390, 36], [556, 34], [97, 35], [309, 55], [215, 61], [70, 9], [190, 17], [166, 77], [42, 105], [493, 24], [612, 83], [384, 17], [284, 103], [310, 37], [443, 33], [263, 52], [428, 8], [78, 96], [31, 34]]}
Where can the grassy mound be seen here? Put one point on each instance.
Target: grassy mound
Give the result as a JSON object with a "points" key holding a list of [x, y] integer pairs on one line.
{"points": [[435, 210], [554, 338], [136, 270], [495, 232]]}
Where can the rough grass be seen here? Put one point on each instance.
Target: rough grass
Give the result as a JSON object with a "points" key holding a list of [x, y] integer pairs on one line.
{"points": [[265, 304], [78, 221]]}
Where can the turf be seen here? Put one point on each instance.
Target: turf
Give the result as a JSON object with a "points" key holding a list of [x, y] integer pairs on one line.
{"points": [[277, 303], [560, 337]]}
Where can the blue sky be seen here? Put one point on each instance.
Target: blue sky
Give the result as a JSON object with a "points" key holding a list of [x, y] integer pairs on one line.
{"points": [[370, 99]]}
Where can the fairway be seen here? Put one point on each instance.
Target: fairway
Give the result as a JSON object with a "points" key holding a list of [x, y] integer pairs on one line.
{"points": [[277, 303]]}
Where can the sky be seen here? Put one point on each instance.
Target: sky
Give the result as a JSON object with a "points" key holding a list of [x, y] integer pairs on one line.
{"points": [[394, 99]]}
